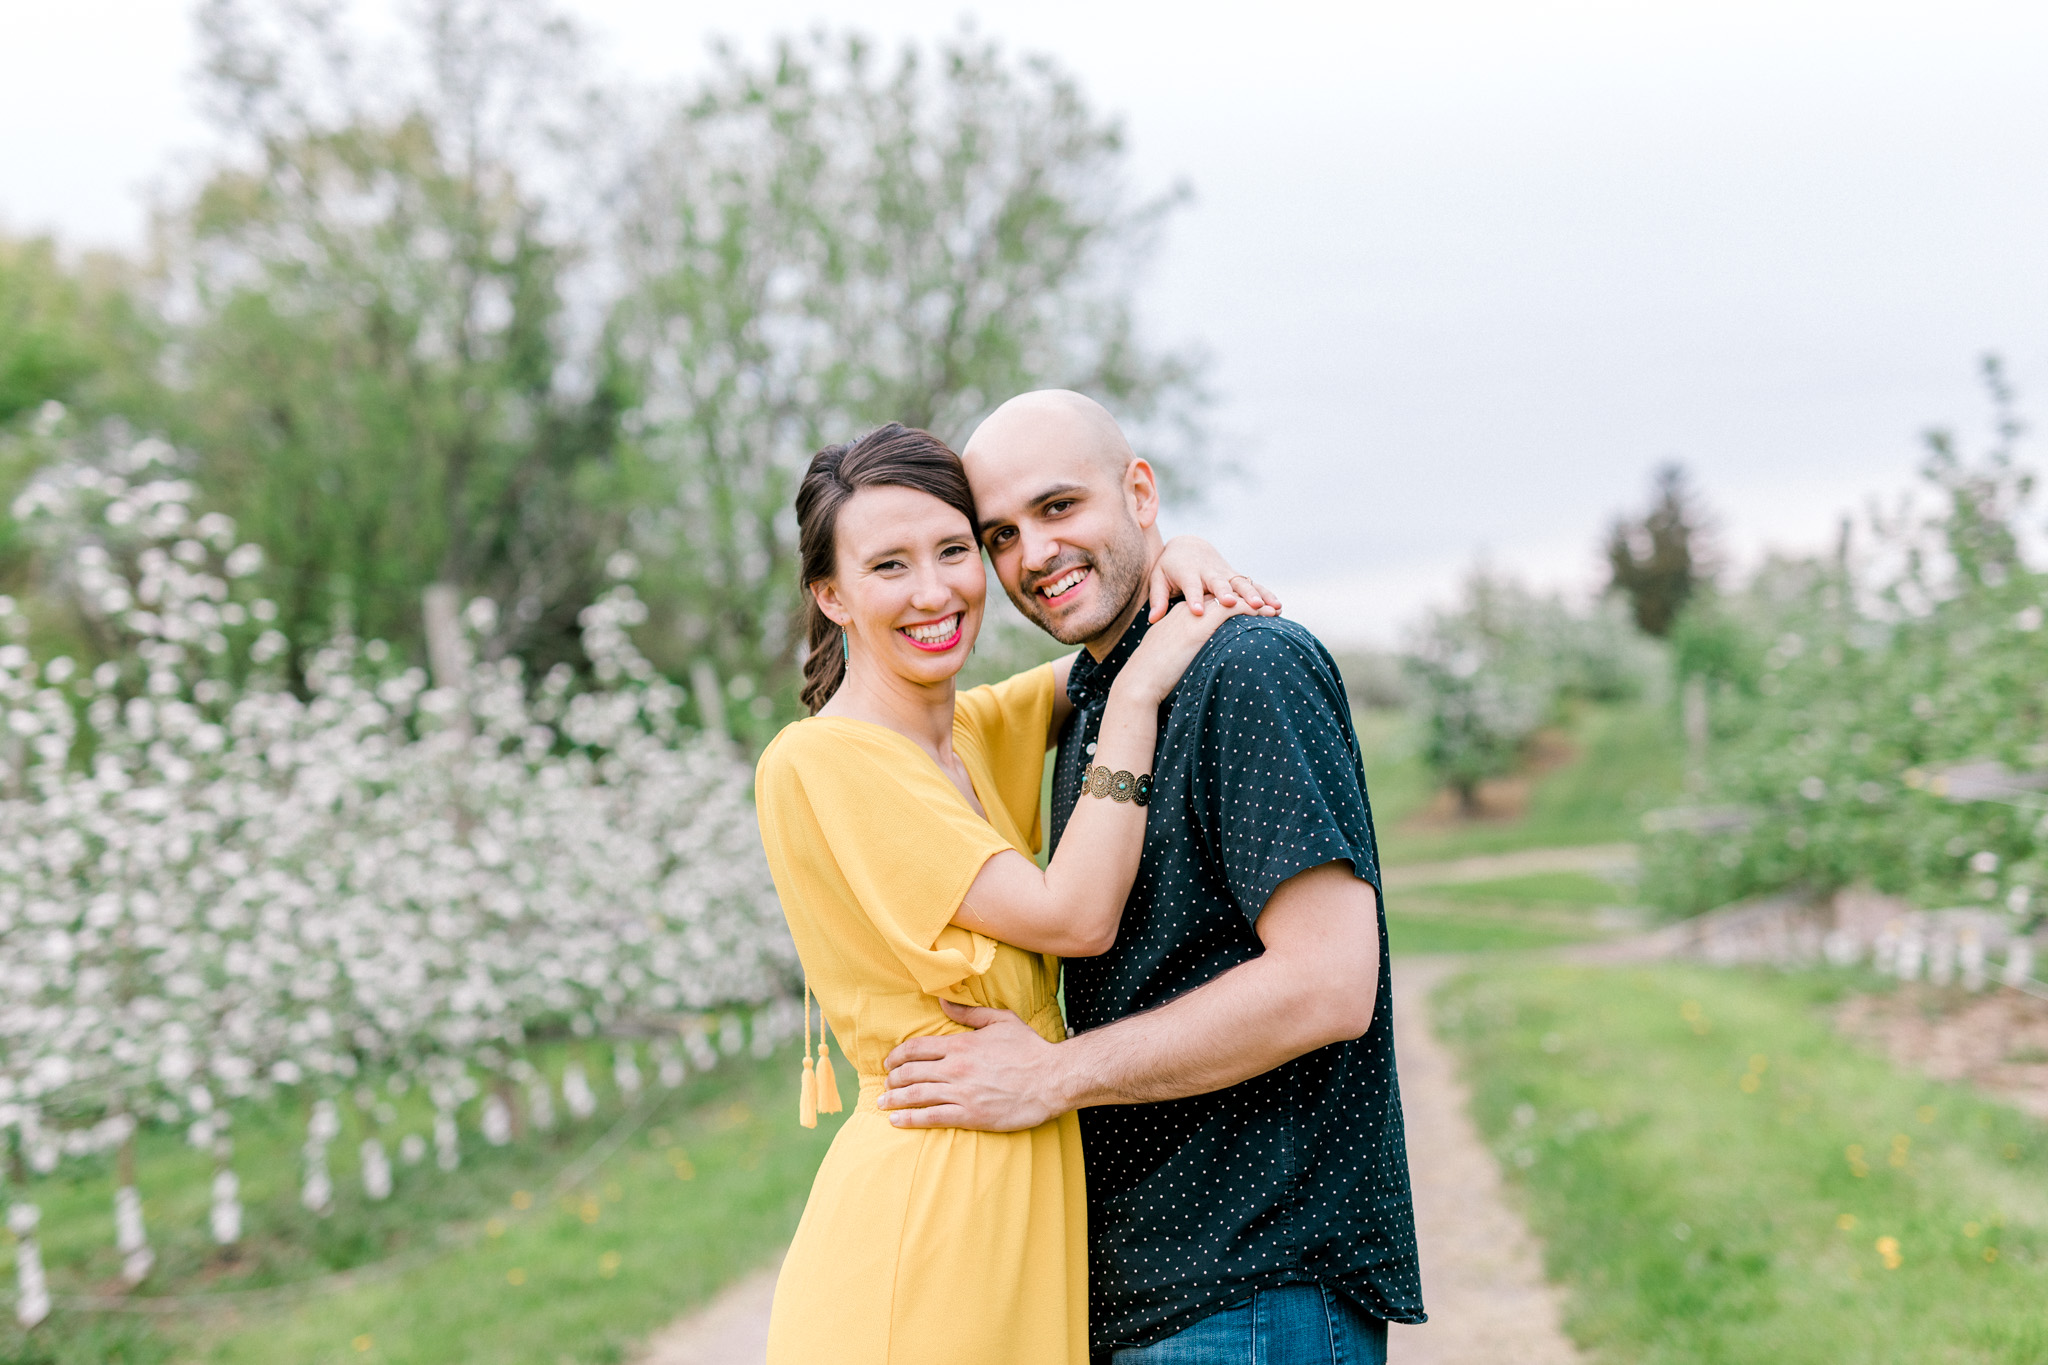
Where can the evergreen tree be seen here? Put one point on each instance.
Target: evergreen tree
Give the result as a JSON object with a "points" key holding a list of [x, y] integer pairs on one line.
{"points": [[1659, 560]]}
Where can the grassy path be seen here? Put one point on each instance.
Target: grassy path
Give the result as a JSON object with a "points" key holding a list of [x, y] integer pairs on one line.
{"points": [[1718, 1177], [1482, 1277]]}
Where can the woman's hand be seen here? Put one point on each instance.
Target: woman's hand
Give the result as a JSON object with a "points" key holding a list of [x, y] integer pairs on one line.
{"points": [[1168, 648], [1190, 568]]}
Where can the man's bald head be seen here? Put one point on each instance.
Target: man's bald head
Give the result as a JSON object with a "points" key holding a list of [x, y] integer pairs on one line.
{"points": [[1046, 421], [1068, 512]]}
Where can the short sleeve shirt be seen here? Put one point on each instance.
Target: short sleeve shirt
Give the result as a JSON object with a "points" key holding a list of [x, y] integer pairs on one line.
{"points": [[1296, 1176]]}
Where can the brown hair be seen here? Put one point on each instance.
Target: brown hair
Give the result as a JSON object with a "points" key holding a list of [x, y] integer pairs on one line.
{"points": [[891, 456]]}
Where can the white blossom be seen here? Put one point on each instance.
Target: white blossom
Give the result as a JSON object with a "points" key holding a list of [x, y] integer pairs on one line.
{"points": [[210, 883], [576, 1091], [496, 1121], [376, 1169], [224, 1217], [447, 1141], [131, 1238], [32, 1291], [625, 1070]]}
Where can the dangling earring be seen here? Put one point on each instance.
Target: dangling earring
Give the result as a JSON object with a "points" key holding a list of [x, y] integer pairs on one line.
{"points": [[845, 650]]}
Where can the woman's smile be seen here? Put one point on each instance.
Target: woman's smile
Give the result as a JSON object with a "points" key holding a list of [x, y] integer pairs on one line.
{"points": [[934, 637]]}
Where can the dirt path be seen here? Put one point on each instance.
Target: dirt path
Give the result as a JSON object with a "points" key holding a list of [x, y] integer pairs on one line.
{"points": [[1481, 1275], [730, 1330]]}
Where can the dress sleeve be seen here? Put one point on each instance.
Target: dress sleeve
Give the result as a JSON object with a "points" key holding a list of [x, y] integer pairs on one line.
{"points": [[904, 846], [1011, 720], [1278, 778]]}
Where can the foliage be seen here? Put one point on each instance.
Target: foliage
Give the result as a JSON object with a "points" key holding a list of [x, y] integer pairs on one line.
{"points": [[1879, 716], [1658, 562], [1712, 640], [836, 238], [441, 313], [1374, 679], [72, 332], [75, 336], [1687, 1140], [1494, 670], [209, 885], [378, 360]]}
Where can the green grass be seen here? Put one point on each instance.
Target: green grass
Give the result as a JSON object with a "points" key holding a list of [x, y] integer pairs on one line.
{"points": [[1546, 910], [1562, 890], [1626, 759], [1399, 783], [452, 1238], [1411, 932], [1695, 1217]]}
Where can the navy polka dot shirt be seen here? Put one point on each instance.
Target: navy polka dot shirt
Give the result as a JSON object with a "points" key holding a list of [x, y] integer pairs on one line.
{"points": [[1296, 1176]]}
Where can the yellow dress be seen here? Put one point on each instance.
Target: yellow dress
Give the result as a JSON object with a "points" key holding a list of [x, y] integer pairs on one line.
{"points": [[934, 1244]]}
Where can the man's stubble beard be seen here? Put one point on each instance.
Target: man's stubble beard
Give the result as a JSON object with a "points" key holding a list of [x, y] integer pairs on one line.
{"points": [[1120, 576]]}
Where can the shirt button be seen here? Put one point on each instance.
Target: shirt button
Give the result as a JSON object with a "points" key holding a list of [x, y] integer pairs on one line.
{"points": [[1091, 746]]}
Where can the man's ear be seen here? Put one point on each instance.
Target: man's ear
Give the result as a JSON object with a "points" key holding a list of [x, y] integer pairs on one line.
{"points": [[826, 594], [1141, 490]]}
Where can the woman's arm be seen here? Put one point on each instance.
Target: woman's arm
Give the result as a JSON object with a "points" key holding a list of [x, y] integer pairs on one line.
{"points": [[1074, 904], [1188, 567]]}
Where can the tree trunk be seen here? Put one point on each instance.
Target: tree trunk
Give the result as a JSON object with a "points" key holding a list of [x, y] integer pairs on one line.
{"points": [[1468, 799], [710, 698], [1694, 703]]}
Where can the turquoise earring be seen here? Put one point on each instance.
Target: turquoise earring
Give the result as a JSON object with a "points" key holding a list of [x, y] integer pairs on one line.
{"points": [[845, 650]]}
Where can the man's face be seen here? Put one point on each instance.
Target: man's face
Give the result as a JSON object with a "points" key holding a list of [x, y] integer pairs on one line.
{"points": [[1062, 530]]}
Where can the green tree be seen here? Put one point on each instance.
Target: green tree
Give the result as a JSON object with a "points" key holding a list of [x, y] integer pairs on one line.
{"points": [[78, 344], [1886, 719], [1658, 559], [74, 332], [45, 354], [381, 361], [832, 239], [1497, 667], [441, 322]]}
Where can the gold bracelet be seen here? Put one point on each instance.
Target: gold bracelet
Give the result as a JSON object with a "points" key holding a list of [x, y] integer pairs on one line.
{"points": [[1118, 786]]}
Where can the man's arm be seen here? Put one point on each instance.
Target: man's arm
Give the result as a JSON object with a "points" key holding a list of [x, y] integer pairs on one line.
{"points": [[1314, 984]]}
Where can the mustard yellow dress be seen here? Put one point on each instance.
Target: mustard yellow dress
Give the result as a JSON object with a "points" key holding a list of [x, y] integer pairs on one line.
{"points": [[935, 1244]]}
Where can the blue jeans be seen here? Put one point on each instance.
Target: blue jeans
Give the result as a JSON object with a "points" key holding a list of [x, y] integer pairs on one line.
{"points": [[1297, 1324]]}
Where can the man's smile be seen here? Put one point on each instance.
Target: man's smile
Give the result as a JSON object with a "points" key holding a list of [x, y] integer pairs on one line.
{"points": [[1063, 585]]}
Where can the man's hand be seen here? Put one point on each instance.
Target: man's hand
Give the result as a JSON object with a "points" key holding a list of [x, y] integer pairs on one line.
{"points": [[998, 1079], [1316, 983]]}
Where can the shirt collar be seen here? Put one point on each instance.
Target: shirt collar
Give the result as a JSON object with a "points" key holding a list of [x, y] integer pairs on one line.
{"points": [[1089, 681]]}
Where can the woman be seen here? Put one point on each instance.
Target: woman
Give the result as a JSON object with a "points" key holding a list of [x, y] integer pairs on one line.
{"points": [[900, 823]]}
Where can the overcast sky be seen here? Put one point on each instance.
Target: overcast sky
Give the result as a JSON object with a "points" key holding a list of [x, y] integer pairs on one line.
{"points": [[1467, 271]]}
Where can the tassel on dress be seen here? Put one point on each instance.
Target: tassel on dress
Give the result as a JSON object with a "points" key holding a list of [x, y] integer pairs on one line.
{"points": [[828, 1082], [807, 1092]]}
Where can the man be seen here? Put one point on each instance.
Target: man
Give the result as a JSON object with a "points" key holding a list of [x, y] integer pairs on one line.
{"points": [[1233, 1057]]}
